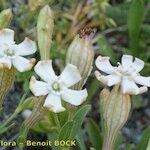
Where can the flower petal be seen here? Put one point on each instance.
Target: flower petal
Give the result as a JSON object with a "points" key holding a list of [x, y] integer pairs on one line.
{"points": [[27, 47], [70, 75], [142, 89], [74, 97], [109, 79], [38, 88], [103, 64], [138, 64], [142, 80], [129, 87], [22, 64], [45, 70], [6, 62], [127, 61], [53, 103], [6, 36]]}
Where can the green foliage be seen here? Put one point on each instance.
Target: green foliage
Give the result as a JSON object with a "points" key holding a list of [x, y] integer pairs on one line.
{"points": [[129, 147], [52, 136], [106, 49], [79, 118], [80, 140], [24, 78], [21, 140], [135, 19], [94, 134], [65, 132], [144, 140]]}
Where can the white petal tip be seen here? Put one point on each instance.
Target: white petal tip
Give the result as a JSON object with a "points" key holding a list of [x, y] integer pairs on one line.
{"points": [[32, 44], [6, 30], [42, 63], [84, 97], [102, 78], [140, 90], [97, 74], [31, 85], [29, 67], [76, 70], [100, 59]]}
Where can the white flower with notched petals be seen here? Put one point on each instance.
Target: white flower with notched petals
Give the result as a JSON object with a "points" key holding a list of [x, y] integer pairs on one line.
{"points": [[126, 74], [11, 53], [57, 87]]}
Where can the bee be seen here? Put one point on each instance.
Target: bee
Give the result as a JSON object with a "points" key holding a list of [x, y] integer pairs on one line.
{"points": [[85, 31]]}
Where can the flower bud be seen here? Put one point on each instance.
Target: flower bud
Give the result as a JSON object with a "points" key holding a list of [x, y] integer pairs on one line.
{"points": [[116, 108], [81, 54], [45, 27], [5, 18], [7, 77], [104, 97]]}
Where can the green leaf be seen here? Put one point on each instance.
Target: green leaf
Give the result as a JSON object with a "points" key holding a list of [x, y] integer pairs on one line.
{"points": [[66, 130], [106, 49], [129, 147], [145, 28], [135, 20], [93, 89], [63, 117], [4, 129], [52, 136], [80, 140], [94, 134], [78, 119], [21, 140], [137, 101], [26, 104], [144, 140], [148, 145], [118, 141]]}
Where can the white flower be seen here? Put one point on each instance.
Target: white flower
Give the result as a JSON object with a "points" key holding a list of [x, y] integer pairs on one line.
{"points": [[126, 74], [11, 53], [57, 87]]}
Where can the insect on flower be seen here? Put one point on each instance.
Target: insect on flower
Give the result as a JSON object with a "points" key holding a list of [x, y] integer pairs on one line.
{"points": [[57, 87], [126, 74], [12, 54]]}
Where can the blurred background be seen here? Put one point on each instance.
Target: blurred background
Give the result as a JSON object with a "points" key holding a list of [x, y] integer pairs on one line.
{"points": [[122, 27]]}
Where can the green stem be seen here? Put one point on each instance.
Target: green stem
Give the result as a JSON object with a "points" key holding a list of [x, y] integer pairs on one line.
{"points": [[9, 120], [17, 111], [56, 121]]}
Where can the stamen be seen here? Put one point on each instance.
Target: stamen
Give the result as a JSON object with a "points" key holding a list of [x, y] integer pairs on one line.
{"points": [[56, 86], [9, 52]]}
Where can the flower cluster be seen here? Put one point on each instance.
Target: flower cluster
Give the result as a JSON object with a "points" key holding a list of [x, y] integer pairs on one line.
{"points": [[11, 53], [126, 74]]}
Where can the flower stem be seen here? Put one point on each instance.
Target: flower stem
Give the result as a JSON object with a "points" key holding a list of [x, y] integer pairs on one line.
{"points": [[9, 120], [57, 121]]}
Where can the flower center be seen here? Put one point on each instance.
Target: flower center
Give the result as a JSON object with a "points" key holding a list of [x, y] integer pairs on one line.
{"points": [[56, 86], [125, 71], [9, 52]]}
